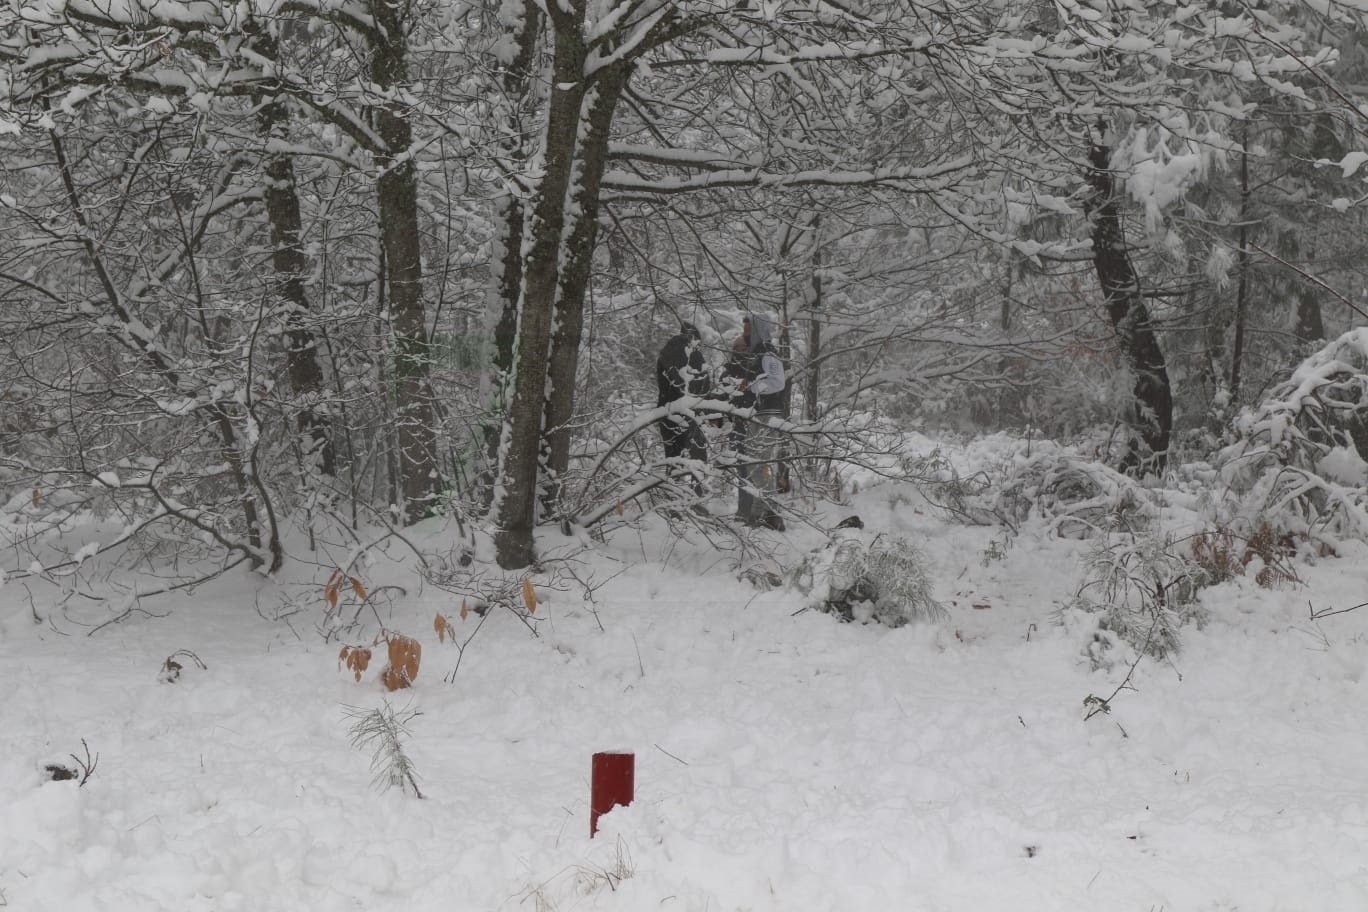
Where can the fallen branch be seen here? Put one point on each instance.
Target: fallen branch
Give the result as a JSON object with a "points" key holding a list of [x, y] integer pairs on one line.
{"points": [[1331, 612]]}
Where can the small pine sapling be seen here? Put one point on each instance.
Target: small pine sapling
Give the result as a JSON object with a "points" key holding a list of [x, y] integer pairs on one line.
{"points": [[382, 731]]}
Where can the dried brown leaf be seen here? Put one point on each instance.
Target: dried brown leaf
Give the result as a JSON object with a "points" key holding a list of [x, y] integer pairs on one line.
{"points": [[393, 680], [355, 658], [529, 596], [405, 654]]}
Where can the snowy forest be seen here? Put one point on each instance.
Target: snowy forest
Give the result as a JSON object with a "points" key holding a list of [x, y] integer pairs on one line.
{"points": [[276, 265], [319, 318]]}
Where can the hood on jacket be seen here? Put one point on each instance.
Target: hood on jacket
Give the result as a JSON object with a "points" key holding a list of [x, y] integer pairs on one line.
{"points": [[762, 331]]}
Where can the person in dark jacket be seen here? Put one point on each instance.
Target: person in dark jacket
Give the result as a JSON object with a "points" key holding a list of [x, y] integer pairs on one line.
{"points": [[680, 372], [762, 385]]}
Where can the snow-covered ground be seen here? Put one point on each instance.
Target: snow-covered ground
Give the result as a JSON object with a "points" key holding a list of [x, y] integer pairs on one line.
{"points": [[784, 761]]}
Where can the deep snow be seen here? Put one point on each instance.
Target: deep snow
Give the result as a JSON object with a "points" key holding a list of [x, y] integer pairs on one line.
{"points": [[784, 761]]}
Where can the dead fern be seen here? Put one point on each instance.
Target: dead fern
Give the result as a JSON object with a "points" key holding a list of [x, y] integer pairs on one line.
{"points": [[1276, 552], [1214, 551], [1220, 555]]}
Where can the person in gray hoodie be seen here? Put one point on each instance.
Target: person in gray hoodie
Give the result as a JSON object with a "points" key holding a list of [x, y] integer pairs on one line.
{"points": [[762, 385]]}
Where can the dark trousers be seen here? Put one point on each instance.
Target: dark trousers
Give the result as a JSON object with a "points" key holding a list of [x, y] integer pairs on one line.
{"points": [[684, 438]]}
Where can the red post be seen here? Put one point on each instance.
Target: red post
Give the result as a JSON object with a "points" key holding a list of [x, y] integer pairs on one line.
{"points": [[613, 779]]}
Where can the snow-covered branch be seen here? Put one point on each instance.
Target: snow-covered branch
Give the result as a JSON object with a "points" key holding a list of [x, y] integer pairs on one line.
{"points": [[926, 179]]}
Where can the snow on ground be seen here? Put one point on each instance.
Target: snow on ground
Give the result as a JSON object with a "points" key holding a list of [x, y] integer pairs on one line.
{"points": [[785, 761]]}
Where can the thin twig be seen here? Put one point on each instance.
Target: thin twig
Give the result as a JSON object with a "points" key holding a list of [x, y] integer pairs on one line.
{"points": [[1331, 612], [128, 612], [670, 755], [1100, 705], [191, 656], [461, 647], [86, 766]]}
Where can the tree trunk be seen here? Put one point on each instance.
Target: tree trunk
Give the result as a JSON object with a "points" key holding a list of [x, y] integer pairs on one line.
{"points": [[1152, 413], [576, 268], [1237, 345], [397, 192], [508, 280], [516, 501], [1208, 311], [1310, 323], [289, 265], [813, 385]]}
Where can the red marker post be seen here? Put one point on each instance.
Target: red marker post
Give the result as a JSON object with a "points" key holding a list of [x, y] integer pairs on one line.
{"points": [[612, 782]]}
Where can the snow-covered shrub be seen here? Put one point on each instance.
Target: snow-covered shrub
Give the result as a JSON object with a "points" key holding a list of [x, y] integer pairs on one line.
{"points": [[863, 576], [1297, 462], [1079, 497], [939, 480], [1143, 587]]}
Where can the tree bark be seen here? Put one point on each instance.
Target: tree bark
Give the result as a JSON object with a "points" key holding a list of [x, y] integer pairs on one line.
{"points": [[578, 261], [397, 192], [289, 265], [1152, 412], [813, 386], [510, 210], [1310, 320], [516, 501], [1237, 345], [1310, 323]]}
